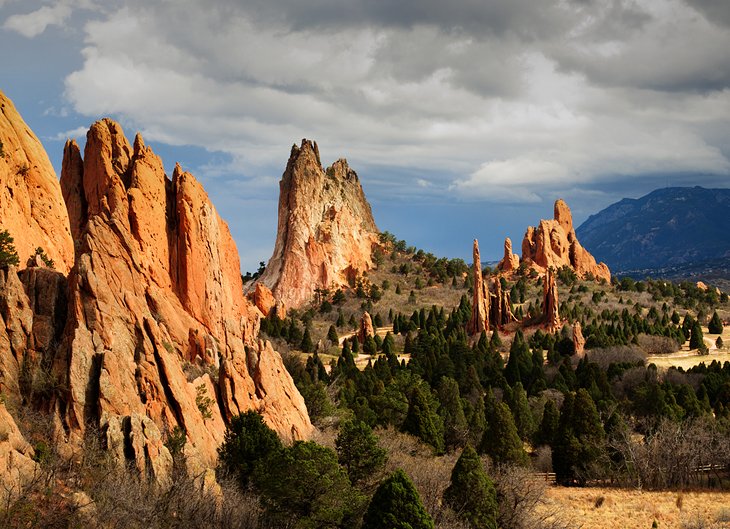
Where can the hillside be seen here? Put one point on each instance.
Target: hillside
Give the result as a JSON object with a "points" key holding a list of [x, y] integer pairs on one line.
{"points": [[669, 227]]}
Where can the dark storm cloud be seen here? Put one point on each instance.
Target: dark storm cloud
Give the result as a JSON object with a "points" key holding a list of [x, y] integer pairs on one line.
{"points": [[717, 11]]}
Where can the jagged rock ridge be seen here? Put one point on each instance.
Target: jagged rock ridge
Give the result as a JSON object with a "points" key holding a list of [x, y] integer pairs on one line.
{"points": [[326, 231], [31, 206], [155, 290], [554, 244]]}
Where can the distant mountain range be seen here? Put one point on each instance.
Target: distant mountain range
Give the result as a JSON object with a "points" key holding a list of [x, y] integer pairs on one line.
{"points": [[673, 232]]}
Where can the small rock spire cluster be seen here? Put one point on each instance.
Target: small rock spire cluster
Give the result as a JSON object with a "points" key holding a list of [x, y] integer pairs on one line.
{"points": [[491, 306]]}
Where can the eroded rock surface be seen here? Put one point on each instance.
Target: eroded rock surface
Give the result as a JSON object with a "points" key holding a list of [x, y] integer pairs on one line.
{"points": [[550, 302], [31, 205], [553, 243], [326, 232]]}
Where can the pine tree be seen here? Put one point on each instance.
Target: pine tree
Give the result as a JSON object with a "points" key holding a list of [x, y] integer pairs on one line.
{"points": [[246, 441], [501, 441], [358, 450], [545, 434], [715, 325], [423, 421], [452, 413], [332, 335], [8, 254], [396, 505], [520, 408], [696, 340], [471, 494], [306, 345]]}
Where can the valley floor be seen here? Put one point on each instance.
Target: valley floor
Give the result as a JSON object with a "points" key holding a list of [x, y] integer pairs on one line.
{"points": [[634, 509]]}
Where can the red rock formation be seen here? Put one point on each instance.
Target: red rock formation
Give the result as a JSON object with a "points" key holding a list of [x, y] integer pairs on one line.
{"points": [[550, 302], [31, 206], [326, 230], [579, 342], [366, 328], [490, 305], [553, 243], [264, 300], [17, 466], [510, 262], [479, 321], [156, 287]]}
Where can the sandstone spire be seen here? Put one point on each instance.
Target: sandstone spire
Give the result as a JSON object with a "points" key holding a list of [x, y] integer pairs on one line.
{"points": [[553, 243], [31, 205], [366, 327], [578, 341], [550, 302], [479, 321], [326, 230], [510, 262]]}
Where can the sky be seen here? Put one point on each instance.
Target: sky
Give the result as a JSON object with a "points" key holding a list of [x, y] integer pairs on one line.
{"points": [[464, 119]]}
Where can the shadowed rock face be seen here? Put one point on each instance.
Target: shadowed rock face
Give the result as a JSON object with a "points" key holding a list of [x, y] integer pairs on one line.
{"points": [[553, 243], [31, 206], [326, 230], [156, 288]]}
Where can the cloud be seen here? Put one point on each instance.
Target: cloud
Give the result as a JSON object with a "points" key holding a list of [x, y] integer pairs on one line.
{"points": [[34, 23], [500, 101]]}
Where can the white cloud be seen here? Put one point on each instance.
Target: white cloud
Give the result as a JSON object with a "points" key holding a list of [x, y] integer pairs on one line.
{"points": [[34, 23], [595, 91]]}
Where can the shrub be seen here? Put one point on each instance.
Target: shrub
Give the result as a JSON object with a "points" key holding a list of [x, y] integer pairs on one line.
{"points": [[471, 493], [358, 450], [8, 254], [397, 505]]}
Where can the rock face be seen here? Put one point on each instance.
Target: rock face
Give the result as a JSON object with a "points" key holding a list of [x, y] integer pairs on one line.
{"points": [[550, 302], [31, 206], [510, 262], [490, 305], [326, 230], [17, 466], [553, 243], [366, 327], [579, 342], [156, 299], [264, 300]]}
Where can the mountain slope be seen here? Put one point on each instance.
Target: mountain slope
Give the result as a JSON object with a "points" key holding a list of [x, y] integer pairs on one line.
{"points": [[667, 227]]}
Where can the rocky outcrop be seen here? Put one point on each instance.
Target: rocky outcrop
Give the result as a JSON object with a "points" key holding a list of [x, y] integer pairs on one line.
{"points": [[265, 301], [511, 261], [490, 304], [31, 206], [553, 243], [550, 302], [366, 327], [326, 231], [579, 342], [155, 296], [17, 466]]}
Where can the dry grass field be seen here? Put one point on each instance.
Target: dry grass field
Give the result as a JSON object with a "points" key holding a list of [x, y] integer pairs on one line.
{"points": [[608, 508]]}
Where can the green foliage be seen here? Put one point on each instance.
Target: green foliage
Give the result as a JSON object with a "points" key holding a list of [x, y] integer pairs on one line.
{"points": [[471, 494], [175, 441], [696, 340], [501, 441], [396, 505], [548, 429], [247, 440], [358, 450], [452, 413], [332, 335], [580, 441], [306, 344], [40, 252], [204, 402], [520, 408], [715, 325], [8, 254], [303, 486], [422, 419]]}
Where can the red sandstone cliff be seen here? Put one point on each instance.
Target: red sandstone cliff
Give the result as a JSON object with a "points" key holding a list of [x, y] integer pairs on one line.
{"points": [[31, 206], [156, 290], [326, 230]]}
